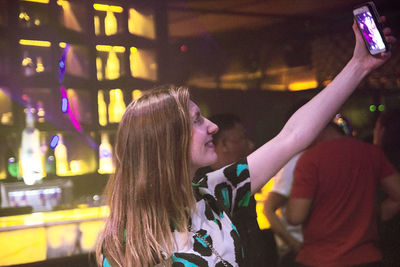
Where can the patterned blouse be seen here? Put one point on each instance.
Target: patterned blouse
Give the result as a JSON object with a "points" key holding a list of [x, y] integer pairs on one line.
{"points": [[219, 194]]}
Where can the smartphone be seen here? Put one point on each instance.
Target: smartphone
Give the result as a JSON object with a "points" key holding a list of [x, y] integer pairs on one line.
{"points": [[370, 25]]}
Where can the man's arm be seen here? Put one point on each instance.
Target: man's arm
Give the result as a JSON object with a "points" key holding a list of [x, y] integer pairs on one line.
{"points": [[275, 201], [297, 210], [391, 205]]}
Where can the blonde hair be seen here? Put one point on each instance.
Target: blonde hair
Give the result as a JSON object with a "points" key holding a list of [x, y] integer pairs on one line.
{"points": [[151, 191]]}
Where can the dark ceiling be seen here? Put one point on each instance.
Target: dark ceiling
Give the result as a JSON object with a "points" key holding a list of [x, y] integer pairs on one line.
{"points": [[198, 17]]}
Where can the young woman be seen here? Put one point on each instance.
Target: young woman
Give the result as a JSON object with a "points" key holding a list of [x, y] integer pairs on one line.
{"points": [[159, 215]]}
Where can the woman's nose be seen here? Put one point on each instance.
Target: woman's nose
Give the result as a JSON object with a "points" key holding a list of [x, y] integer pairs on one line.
{"points": [[212, 127]]}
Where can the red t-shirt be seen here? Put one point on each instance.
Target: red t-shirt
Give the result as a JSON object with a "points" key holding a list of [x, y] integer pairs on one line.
{"points": [[341, 177]]}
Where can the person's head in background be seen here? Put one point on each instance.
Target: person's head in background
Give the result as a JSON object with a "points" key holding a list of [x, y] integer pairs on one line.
{"points": [[387, 135], [336, 128], [231, 141]]}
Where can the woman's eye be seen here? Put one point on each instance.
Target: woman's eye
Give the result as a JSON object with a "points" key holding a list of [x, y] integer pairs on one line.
{"points": [[198, 119]]}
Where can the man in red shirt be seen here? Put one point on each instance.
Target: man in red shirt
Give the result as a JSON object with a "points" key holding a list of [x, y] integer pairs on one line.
{"points": [[334, 197]]}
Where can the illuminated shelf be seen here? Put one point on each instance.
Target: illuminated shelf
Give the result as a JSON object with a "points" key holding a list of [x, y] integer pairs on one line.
{"points": [[108, 46]]}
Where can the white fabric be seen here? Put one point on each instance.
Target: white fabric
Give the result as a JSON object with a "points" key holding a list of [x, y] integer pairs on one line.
{"points": [[283, 185]]}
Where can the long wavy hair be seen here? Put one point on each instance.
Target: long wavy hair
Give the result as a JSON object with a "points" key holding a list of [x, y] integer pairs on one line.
{"points": [[151, 192]]}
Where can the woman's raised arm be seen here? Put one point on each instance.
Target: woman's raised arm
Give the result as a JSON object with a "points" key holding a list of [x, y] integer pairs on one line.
{"points": [[310, 119]]}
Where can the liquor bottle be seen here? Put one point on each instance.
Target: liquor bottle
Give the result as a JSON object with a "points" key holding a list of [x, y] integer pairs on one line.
{"points": [[102, 108], [50, 162], [41, 113], [105, 155], [110, 23], [43, 150], [99, 68], [31, 156], [39, 65], [96, 25], [27, 64], [112, 66], [117, 106], [61, 156]]}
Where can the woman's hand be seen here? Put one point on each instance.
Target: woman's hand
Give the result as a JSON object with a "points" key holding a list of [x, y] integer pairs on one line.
{"points": [[361, 54]]}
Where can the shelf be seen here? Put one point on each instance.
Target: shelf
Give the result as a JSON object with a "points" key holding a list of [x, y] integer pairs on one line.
{"points": [[112, 48]]}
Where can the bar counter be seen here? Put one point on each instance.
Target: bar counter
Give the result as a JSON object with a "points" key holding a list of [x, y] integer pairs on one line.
{"points": [[45, 235]]}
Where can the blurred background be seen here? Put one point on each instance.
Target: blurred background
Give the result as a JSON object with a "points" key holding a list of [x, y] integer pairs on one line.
{"points": [[69, 68]]}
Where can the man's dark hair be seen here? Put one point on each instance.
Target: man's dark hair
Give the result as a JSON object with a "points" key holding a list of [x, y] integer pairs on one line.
{"points": [[224, 121]]}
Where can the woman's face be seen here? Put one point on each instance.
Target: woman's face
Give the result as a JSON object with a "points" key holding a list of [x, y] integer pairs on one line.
{"points": [[202, 149]]}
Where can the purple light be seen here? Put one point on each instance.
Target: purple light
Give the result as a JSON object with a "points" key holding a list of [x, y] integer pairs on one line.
{"points": [[65, 109], [64, 105], [54, 141]]}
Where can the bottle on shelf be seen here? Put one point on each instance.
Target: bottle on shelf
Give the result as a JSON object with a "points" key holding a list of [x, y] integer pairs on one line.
{"points": [[43, 149], [50, 162], [31, 156], [27, 64], [102, 108], [110, 23], [117, 107], [96, 25], [112, 66], [39, 65], [99, 68], [41, 113], [105, 155], [61, 156]]}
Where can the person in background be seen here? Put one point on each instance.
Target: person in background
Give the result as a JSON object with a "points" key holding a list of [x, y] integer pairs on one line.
{"points": [[386, 135], [334, 198], [159, 214], [232, 144], [289, 236]]}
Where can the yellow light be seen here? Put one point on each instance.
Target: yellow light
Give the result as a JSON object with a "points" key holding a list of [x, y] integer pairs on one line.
{"points": [[142, 63], [24, 15], [260, 198], [101, 7], [141, 24], [63, 3], [23, 245], [96, 25], [99, 68], [102, 108], [26, 61], [62, 44], [110, 24], [37, 1], [298, 86], [103, 48], [109, 48], [39, 65], [136, 94], [119, 49], [112, 70], [35, 43], [117, 107]]}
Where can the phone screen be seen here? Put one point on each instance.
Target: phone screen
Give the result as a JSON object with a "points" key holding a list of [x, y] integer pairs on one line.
{"points": [[369, 29]]}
